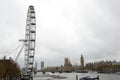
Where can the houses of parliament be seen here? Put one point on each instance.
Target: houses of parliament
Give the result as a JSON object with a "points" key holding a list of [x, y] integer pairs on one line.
{"points": [[67, 67]]}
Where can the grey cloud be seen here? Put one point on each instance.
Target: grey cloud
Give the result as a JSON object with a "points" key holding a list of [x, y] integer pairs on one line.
{"points": [[66, 28]]}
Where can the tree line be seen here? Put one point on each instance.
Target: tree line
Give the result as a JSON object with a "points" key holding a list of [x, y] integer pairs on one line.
{"points": [[9, 69], [104, 66]]}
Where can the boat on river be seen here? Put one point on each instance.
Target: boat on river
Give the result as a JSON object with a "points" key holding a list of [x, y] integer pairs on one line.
{"points": [[89, 78], [82, 71]]}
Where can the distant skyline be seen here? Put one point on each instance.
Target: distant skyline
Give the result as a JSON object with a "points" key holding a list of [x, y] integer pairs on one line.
{"points": [[65, 28]]}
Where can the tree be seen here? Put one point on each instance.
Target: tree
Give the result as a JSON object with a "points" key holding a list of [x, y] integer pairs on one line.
{"points": [[2, 70], [11, 69]]}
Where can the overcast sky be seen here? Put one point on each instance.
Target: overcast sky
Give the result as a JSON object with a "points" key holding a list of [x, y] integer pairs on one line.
{"points": [[65, 28]]}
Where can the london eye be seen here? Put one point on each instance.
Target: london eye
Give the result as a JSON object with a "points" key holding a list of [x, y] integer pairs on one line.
{"points": [[29, 42]]}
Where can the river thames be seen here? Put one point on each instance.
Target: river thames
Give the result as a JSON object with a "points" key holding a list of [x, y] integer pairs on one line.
{"points": [[72, 76]]}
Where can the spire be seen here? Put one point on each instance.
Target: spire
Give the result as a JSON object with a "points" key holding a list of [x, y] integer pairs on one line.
{"points": [[82, 62], [81, 56]]}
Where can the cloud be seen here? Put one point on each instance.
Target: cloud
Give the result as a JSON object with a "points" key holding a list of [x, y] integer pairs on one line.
{"points": [[65, 28]]}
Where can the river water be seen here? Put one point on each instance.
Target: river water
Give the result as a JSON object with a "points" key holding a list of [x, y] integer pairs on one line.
{"points": [[72, 76]]}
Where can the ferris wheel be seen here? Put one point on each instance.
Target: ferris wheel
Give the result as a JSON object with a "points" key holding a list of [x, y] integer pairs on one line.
{"points": [[30, 38]]}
